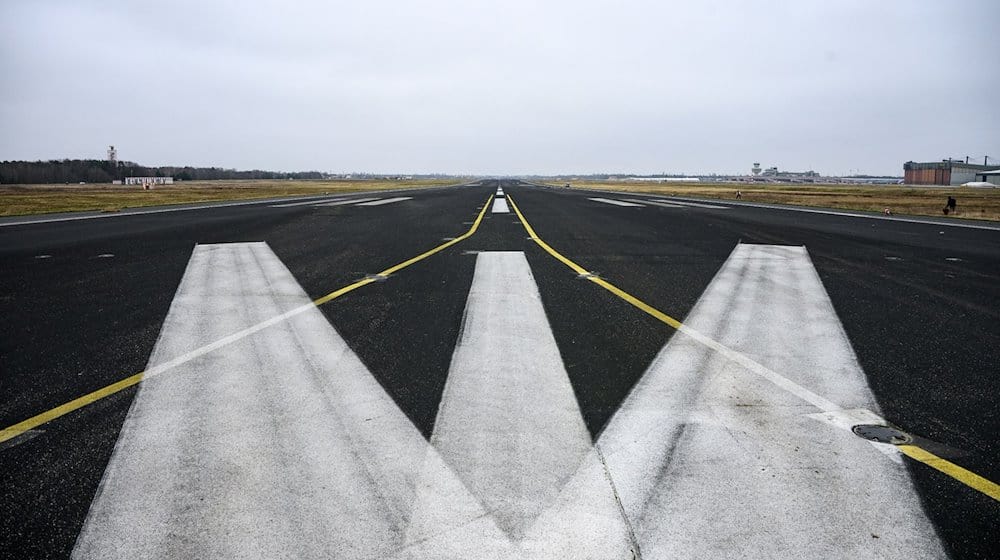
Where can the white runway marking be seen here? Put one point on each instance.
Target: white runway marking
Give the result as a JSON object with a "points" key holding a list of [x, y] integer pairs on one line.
{"points": [[307, 202], [655, 202], [686, 203], [500, 206], [278, 445], [704, 452], [669, 203], [615, 202], [347, 201], [386, 201], [510, 428], [281, 443]]}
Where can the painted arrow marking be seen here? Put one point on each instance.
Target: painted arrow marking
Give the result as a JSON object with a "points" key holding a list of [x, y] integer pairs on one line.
{"points": [[278, 445], [710, 461], [282, 444], [510, 428]]}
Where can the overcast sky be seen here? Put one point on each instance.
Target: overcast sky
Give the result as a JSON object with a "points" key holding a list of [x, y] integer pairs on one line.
{"points": [[508, 87]]}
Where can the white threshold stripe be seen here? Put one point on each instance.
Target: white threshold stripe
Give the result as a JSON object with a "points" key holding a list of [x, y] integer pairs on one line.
{"points": [[510, 428], [386, 201], [307, 202], [500, 206], [280, 445], [349, 201], [703, 455], [615, 202]]}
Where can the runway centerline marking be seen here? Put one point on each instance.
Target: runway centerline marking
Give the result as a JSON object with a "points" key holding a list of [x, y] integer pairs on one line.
{"points": [[500, 206], [958, 473], [33, 422]]}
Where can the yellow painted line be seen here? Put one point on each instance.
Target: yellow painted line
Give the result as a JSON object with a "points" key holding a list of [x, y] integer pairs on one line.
{"points": [[49, 415], [599, 281], [970, 479], [966, 477], [75, 404]]}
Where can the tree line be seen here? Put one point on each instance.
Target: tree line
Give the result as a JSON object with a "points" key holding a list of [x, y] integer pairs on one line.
{"points": [[104, 171]]}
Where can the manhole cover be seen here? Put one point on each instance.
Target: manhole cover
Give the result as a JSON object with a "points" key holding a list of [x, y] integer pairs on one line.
{"points": [[882, 434]]}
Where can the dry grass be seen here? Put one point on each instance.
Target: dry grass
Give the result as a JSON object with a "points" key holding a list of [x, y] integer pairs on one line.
{"points": [[973, 203], [18, 200]]}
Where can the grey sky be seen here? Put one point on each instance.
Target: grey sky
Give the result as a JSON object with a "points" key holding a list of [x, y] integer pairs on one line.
{"points": [[502, 87]]}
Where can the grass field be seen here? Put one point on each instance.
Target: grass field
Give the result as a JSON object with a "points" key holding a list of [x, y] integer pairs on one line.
{"points": [[16, 200], [973, 203]]}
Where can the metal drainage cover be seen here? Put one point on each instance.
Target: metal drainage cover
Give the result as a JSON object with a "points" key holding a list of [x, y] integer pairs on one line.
{"points": [[882, 434]]}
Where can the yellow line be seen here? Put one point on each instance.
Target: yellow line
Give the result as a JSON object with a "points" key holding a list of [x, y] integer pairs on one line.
{"points": [[75, 404], [645, 307], [49, 415], [964, 476]]}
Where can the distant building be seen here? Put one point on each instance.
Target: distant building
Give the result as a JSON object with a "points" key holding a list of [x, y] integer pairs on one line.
{"points": [[149, 180], [774, 172], [944, 172], [992, 176]]}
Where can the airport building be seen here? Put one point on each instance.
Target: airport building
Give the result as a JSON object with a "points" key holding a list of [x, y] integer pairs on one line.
{"points": [[944, 172], [149, 180], [992, 176]]}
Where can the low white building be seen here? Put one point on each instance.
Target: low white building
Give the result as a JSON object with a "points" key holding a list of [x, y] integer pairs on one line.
{"points": [[992, 176], [149, 180]]}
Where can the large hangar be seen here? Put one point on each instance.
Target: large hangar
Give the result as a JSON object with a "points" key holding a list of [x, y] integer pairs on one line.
{"points": [[944, 172]]}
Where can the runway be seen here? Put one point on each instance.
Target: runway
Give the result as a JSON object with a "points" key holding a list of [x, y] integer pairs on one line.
{"points": [[498, 370]]}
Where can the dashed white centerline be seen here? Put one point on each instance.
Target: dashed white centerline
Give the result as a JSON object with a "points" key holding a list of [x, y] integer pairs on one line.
{"points": [[500, 206], [386, 201], [615, 202]]}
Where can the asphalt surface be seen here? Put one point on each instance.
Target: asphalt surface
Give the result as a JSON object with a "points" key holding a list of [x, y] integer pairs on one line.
{"points": [[83, 303]]}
